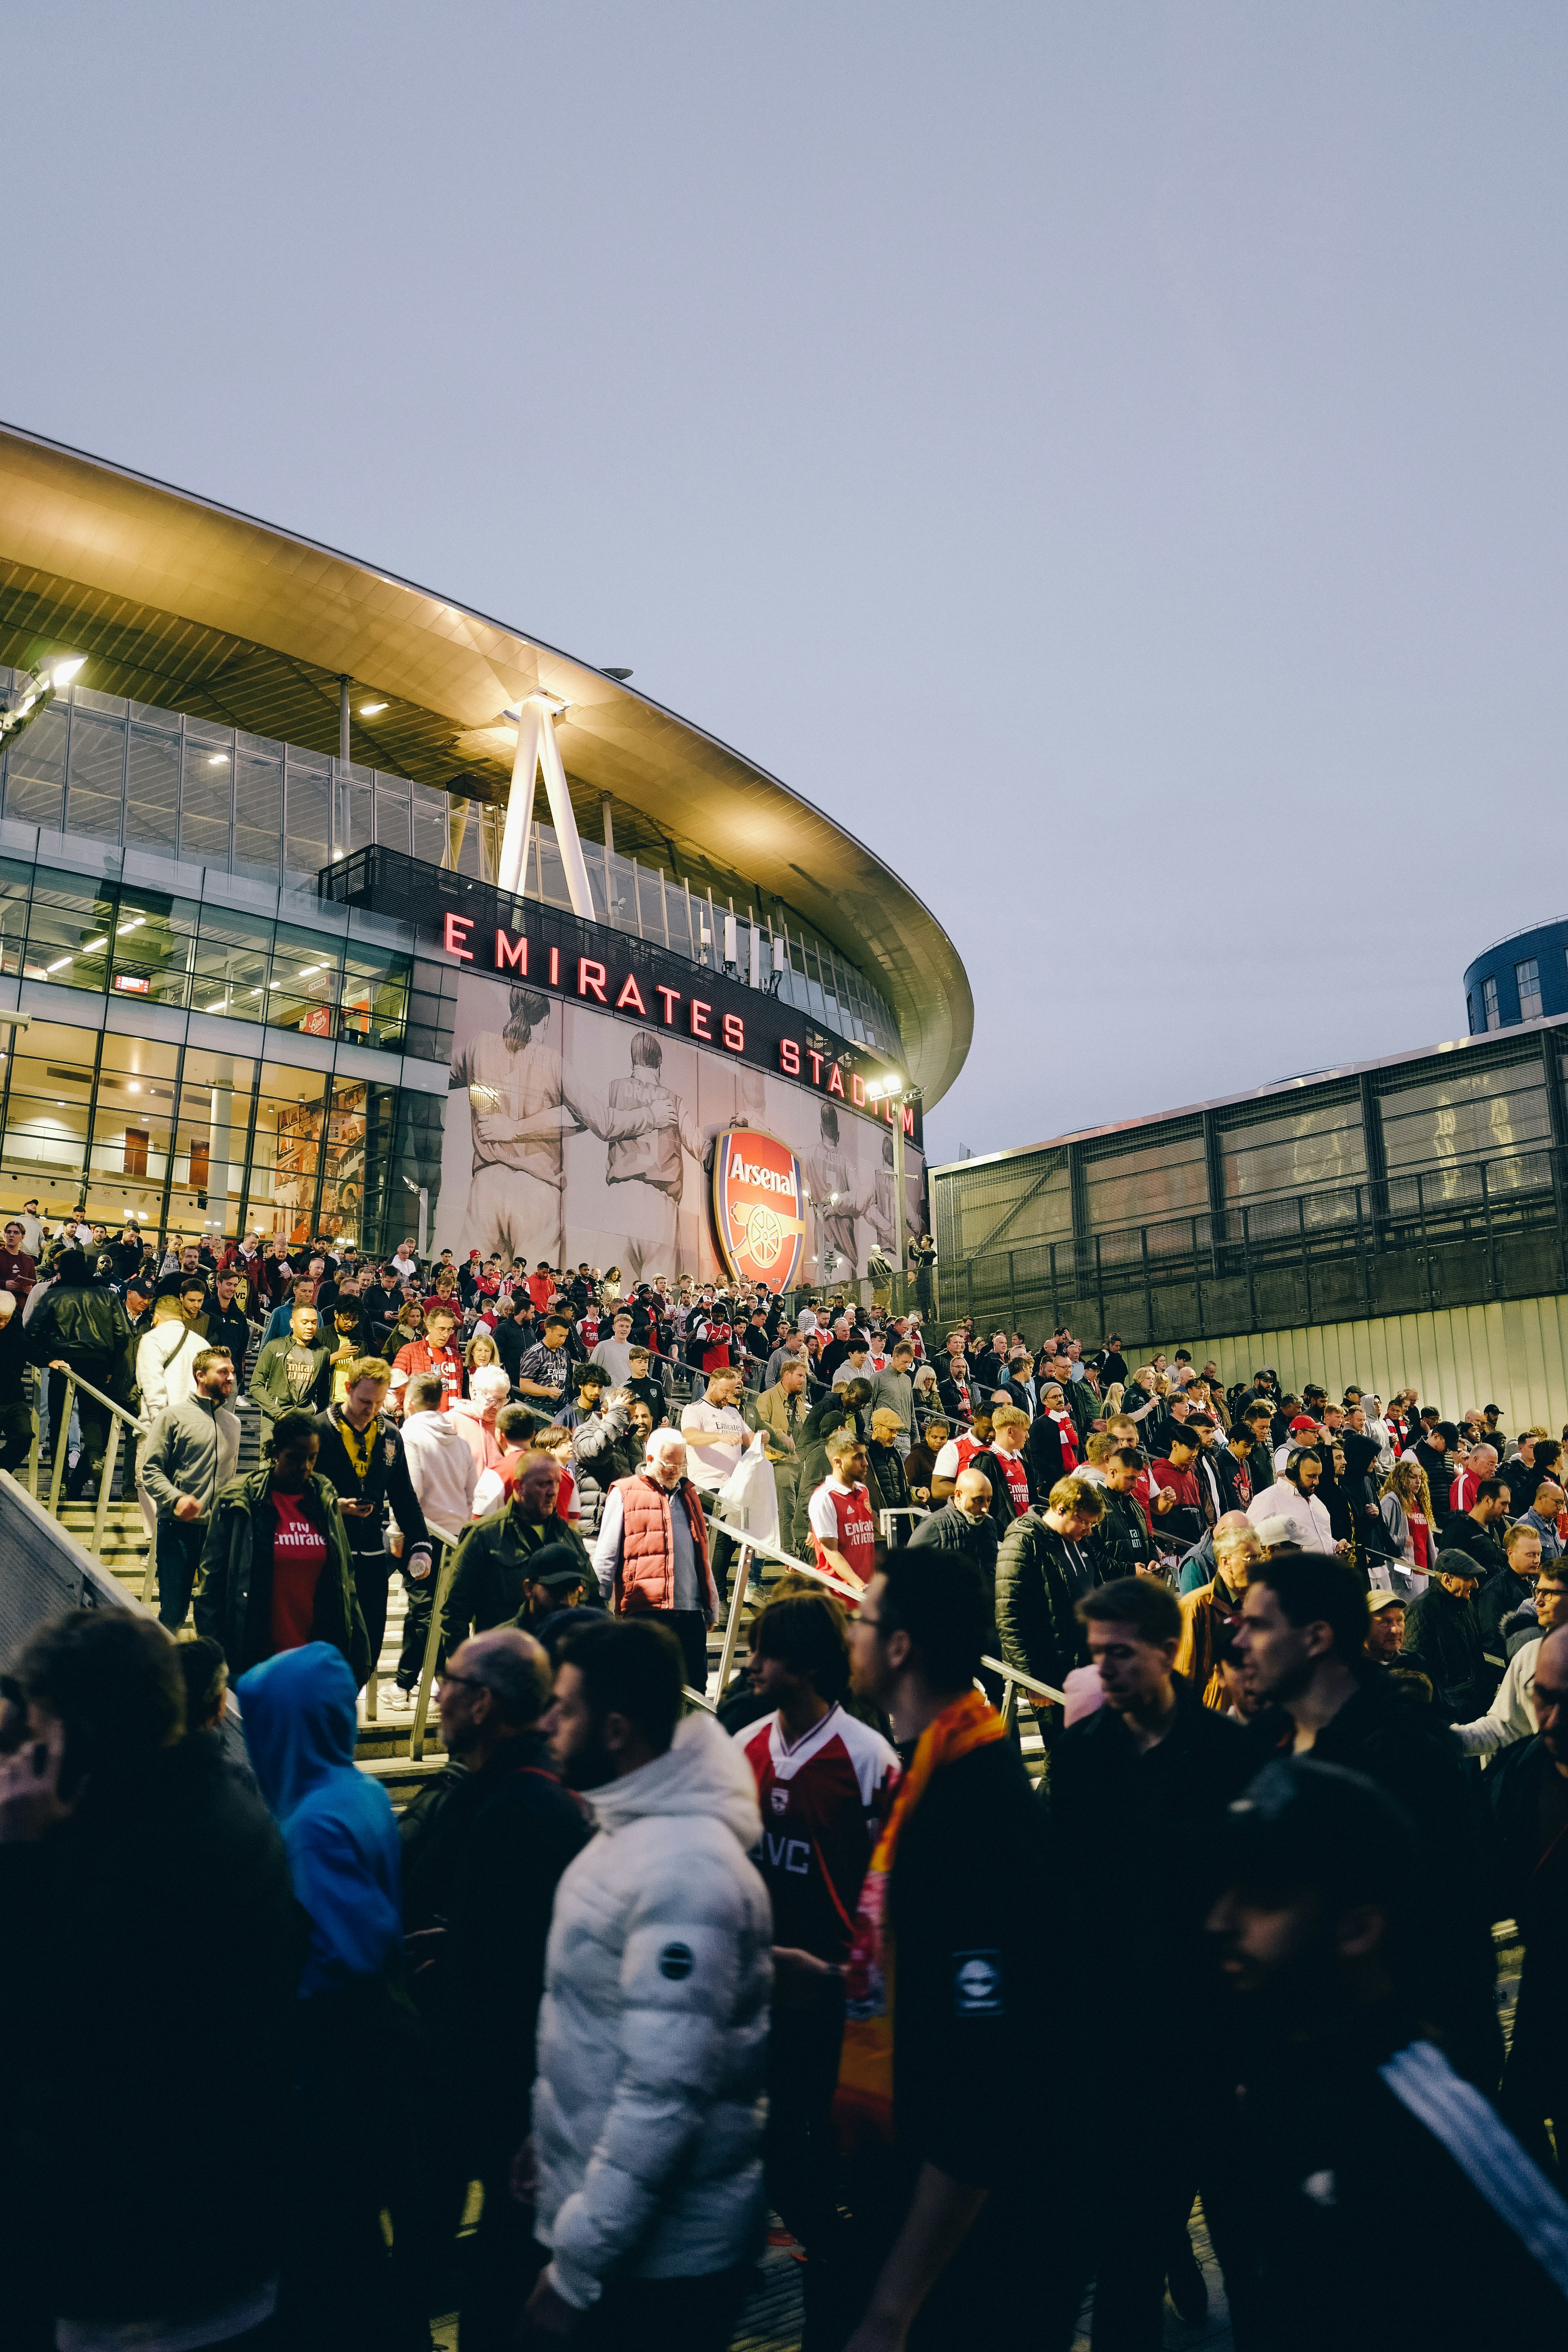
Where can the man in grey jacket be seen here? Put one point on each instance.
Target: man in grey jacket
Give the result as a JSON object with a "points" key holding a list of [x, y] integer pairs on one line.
{"points": [[190, 1456], [894, 1386]]}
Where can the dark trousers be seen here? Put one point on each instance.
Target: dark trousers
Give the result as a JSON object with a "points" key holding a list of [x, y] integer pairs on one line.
{"points": [[15, 1434], [180, 1543], [504, 2260], [673, 2314], [801, 2152], [1535, 2078], [93, 1422], [689, 1631], [372, 1581]]}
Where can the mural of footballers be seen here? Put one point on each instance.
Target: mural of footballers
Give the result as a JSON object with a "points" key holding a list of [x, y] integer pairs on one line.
{"points": [[833, 1183], [520, 1104], [652, 1136]]}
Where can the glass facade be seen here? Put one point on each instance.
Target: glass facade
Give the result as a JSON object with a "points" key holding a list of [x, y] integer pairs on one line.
{"points": [[1528, 975], [138, 777], [202, 1052], [1490, 1004]]}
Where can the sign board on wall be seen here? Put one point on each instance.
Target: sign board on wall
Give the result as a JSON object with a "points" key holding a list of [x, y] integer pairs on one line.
{"points": [[759, 1207]]}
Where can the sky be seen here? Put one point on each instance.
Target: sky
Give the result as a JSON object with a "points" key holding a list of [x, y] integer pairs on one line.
{"points": [[1109, 456]]}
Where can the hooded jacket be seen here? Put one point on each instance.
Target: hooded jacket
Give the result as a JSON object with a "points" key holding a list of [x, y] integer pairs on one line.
{"points": [[442, 1468], [653, 2033], [338, 1830], [234, 1590]]}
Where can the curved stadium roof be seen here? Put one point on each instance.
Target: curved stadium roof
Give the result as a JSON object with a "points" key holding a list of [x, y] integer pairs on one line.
{"points": [[180, 602]]}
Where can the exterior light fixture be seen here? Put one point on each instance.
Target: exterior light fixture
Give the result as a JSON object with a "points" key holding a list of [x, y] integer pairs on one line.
{"points": [[32, 694], [219, 759], [371, 710]]}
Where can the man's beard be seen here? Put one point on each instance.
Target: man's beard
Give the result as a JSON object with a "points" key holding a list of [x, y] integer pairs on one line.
{"points": [[591, 1767], [1288, 1684]]}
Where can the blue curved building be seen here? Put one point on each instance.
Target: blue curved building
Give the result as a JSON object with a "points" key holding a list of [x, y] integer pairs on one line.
{"points": [[1518, 977]]}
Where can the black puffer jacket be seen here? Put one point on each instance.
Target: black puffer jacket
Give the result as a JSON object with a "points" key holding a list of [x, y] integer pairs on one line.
{"points": [[1443, 1637], [1039, 1579]]}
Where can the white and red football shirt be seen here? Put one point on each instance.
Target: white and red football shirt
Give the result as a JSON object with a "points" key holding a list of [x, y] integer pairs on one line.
{"points": [[1017, 1476], [823, 1802], [841, 1516], [956, 1455]]}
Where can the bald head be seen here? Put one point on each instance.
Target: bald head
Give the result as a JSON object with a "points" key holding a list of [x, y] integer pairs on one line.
{"points": [[972, 1493], [498, 1685], [1482, 1461]]}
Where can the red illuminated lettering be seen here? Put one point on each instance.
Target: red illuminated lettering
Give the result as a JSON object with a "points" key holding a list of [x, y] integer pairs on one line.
{"points": [[699, 1018], [630, 997], [815, 1060], [857, 1092], [834, 1083], [554, 967], [909, 1121], [510, 956], [671, 998], [789, 1057], [456, 931], [591, 979], [735, 1033]]}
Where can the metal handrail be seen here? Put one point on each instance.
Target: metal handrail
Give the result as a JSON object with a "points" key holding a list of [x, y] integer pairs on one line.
{"points": [[442, 1570], [59, 1439]]}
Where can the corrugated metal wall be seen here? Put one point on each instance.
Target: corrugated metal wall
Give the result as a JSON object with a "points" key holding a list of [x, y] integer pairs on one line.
{"points": [[1512, 1353]]}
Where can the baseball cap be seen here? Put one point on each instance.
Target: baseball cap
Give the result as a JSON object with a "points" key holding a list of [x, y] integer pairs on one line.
{"points": [[1305, 1824], [556, 1565], [1303, 1421], [1380, 1598]]}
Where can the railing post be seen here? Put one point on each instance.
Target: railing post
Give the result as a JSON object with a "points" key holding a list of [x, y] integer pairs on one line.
{"points": [[59, 1445], [105, 1481], [33, 1450], [150, 1574], [739, 1579], [432, 1645]]}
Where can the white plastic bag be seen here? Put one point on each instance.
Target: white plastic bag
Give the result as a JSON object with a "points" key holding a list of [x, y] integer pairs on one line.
{"points": [[748, 1498]]}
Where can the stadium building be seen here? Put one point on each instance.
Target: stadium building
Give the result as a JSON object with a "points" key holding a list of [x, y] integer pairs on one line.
{"points": [[1390, 1221], [327, 904]]}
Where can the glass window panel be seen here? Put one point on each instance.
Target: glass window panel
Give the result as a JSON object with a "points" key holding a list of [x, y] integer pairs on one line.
{"points": [[1320, 1144], [305, 849], [95, 791], [206, 800], [68, 929], [46, 1142], [427, 809], [152, 714], [1490, 1004], [1528, 975], [153, 790], [257, 816], [36, 772], [16, 892], [342, 1186], [1157, 1179], [86, 697], [392, 813], [285, 1152], [1487, 1113]]}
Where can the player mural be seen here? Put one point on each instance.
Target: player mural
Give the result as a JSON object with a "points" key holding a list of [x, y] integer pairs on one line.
{"points": [[571, 1136]]}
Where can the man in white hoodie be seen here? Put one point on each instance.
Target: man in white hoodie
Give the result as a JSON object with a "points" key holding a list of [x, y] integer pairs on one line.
{"points": [[649, 2100], [441, 1463]]}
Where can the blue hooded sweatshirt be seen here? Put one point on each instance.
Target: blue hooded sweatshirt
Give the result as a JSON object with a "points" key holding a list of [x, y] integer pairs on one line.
{"points": [[339, 1829]]}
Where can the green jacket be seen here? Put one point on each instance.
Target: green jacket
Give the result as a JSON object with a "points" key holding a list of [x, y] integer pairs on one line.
{"points": [[270, 1381], [234, 1588], [487, 1587]]}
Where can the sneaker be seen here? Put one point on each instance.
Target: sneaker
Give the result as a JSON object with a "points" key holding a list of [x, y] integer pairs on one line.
{"points": [[397, 1700]]}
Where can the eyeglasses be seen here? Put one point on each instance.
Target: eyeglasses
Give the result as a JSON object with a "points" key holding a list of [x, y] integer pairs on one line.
{"points": [[471, 1681]]}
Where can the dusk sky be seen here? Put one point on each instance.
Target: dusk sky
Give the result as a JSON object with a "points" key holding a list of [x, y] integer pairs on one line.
{"points": [[1112, 458]]}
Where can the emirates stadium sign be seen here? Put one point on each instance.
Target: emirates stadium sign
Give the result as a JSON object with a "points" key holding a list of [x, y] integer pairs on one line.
{"points": [[759, 1207]]}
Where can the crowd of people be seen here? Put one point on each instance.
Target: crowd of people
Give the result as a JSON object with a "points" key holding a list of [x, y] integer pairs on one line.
{"points": [[650, 1970]]}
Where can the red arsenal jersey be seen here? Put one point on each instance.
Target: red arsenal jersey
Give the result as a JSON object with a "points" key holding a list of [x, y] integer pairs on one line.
{"points": [[841, 1516], [823, 1803]]}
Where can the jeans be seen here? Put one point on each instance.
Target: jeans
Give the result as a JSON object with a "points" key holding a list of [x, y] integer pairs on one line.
{"points": [[180, 1545], [373, 1581]]}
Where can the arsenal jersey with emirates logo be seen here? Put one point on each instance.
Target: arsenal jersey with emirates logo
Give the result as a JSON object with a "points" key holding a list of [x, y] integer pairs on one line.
{"points": [[823, 1803]]}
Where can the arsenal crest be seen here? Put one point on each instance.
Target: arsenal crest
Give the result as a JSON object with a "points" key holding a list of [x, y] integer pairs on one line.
{"points": [[759, 1219]]}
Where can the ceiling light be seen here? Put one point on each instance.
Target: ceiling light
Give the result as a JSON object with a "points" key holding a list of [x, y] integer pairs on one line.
{"points": [[371, 710], [134, 925], [308, 971], [93, 945], [60, 964], [222, 1006], [62, 672], [550, 702], [219, 759], [132, 1088]]}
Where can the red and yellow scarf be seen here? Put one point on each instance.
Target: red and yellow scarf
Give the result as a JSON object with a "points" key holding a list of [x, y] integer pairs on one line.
{"points": [[864, 2104]]}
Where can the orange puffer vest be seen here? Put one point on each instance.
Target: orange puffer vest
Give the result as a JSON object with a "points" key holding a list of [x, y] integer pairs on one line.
{"points": [[646, 1577]]}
